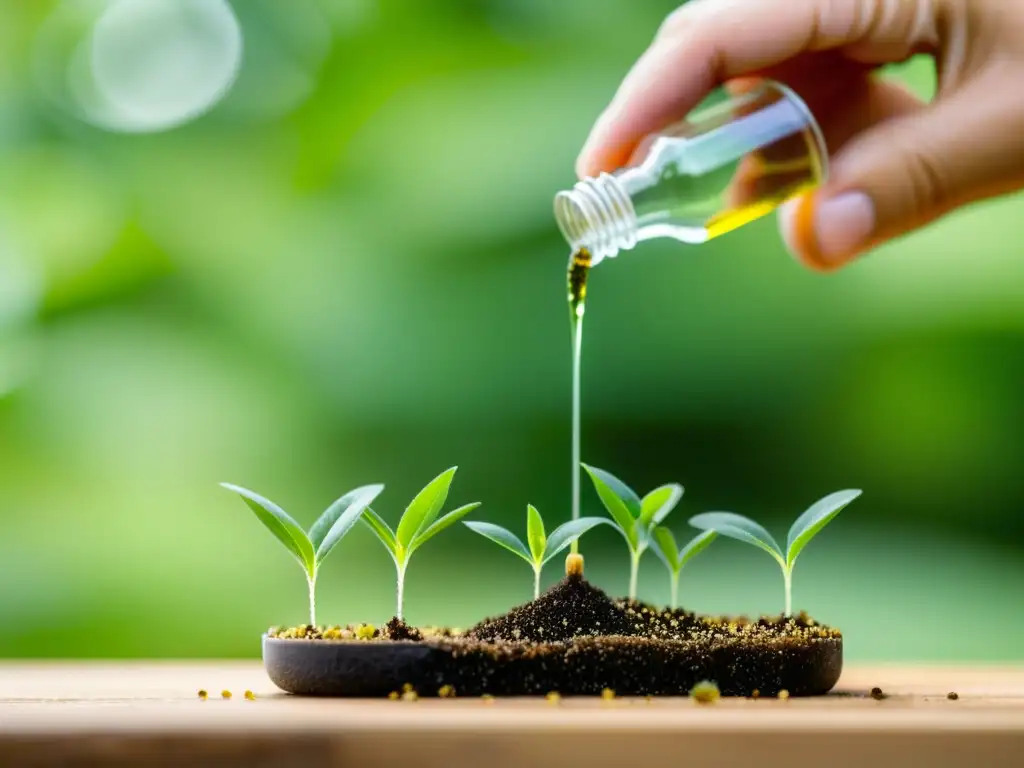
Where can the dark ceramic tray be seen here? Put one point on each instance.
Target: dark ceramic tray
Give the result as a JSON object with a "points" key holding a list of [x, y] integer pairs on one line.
{"points": [[582, 666]]}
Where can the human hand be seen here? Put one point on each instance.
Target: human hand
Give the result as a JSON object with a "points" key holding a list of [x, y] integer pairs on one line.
{"points": [[896, 162]]}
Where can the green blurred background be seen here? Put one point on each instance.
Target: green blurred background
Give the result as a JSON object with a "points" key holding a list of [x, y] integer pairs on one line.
{"points": [[341, 267]]}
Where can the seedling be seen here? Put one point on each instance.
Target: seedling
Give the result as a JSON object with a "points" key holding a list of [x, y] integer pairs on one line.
{"points": [[635, 518], [542, 547], [674, 558], [805, 528], [418, 525], [310, 549]]}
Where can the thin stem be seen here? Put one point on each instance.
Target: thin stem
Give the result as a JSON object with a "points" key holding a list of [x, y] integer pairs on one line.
{"points": [[401, 588], [311, 581], [634, 572], [536, 582], [787, 576], [674, 591]]}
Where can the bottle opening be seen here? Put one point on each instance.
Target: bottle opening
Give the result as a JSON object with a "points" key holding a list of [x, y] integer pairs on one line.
{"points": [[597, 214]]}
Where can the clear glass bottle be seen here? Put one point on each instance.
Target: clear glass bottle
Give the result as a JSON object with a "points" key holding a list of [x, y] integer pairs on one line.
{"points": [[707, 175]]}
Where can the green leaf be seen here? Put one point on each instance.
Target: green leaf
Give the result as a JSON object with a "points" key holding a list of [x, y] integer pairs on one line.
{"points": [[567, 533], [616, 506], [279, 523], [814, 519], [535, 533], [339, 518], [739, 527], [656, 505], [381, 530], [626, 494], [439, 525], [695, 546], [666, 549], [423, 509], [502, 537]]}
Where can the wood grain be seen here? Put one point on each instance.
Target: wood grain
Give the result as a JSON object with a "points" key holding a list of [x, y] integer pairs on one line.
{"points": [[149, 714]]}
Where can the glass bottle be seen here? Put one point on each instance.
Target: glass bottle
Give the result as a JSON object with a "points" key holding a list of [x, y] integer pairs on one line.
{"points": [[716, 170]]}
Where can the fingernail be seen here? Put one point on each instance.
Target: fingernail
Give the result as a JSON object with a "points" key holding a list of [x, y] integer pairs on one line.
{"points": [[842, 225]]}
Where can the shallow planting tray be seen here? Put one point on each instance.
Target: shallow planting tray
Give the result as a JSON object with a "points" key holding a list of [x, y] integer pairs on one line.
{"points": [[573, 640]]}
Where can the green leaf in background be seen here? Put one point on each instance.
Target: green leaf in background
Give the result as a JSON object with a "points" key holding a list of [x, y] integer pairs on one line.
{"points": [[502, 537], [566, 533], [807, 526], [439, 525], [535, 533], [622, 491], [739, 527], [615, 505], [656, 505], [338, 519], [279, 523], [423, 509]]}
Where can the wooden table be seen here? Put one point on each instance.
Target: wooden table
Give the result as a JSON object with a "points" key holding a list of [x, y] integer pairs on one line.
{"points": [[149, 714]]}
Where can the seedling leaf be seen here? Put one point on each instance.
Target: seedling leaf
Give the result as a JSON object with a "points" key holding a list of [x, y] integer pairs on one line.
{"points": [[665, 547], [626, 494], [615, 505], [657, 504], [440, 524], [739, 527], [566, 533], [813, 520], [422, 510], [535, 533], [339, 518], [381, 530], [502, 537], [279, 523], [695, 546]]}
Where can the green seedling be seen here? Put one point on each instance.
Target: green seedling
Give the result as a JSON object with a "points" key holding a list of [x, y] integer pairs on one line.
{"points": [[542, 547], [805, 528], [310, 549], [419, 524], [665, 547], [635, 518]]}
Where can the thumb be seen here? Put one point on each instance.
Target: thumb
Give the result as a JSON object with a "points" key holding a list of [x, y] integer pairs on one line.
{"points": [[907, 171]]}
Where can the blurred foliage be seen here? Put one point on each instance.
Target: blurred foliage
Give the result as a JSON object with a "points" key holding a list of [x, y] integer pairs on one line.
{"points": [[347, 272]]}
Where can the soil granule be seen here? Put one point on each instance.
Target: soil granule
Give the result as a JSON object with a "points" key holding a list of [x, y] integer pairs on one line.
{"points": [[574, 639]]}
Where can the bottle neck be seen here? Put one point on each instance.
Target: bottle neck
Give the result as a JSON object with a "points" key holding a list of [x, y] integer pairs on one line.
{"points": [[597, 214]]}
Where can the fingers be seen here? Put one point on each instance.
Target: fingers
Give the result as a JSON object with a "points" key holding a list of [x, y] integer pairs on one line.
{"points": [[707, 42], [909, 169]]}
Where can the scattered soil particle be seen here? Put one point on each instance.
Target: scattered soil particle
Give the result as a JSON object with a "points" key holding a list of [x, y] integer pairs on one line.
{"points": [[705, 692], [396, 629], [877, 695], [952, 695]]}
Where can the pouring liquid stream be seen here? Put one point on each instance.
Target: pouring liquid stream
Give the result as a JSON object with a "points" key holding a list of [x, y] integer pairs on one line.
{"points": [[579, 268]]}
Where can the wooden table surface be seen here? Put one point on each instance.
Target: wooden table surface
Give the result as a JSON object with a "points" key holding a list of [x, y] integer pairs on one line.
{"points": [[149, 714]]}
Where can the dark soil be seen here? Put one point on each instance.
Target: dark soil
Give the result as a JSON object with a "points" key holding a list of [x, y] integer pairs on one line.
{"points": [[574, 639]]}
